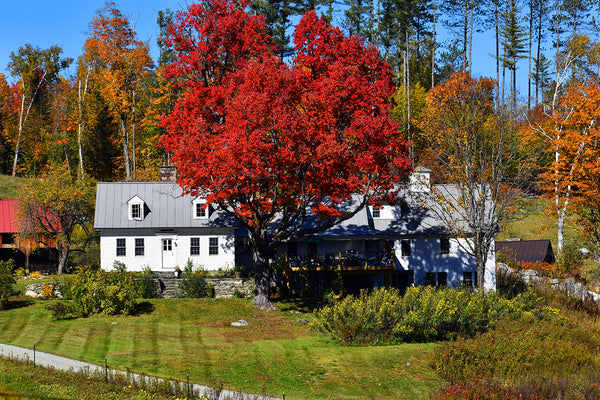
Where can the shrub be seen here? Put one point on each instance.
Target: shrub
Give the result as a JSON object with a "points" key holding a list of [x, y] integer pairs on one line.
{"points": [[6, 281], [21, 272], [242, 271], [97, 291], [62, 309], [47, 290], [508, 284], [193, 284], [423, 314], [570, 259], [146, 285], [36, 275]]}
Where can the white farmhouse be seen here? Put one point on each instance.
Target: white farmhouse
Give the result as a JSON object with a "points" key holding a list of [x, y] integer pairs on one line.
{"points": [[151, 224]]}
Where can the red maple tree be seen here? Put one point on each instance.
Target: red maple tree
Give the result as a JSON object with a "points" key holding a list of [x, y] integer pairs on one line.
{"points": [[279, 145]]}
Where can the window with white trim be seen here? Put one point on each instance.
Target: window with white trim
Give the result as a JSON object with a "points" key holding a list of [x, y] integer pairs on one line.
{"points": [[121, 249], [436, 279], [376, 212], [139, 246], [200, 210], [469, 278], [213, 246], [136, 209], [195, 246]]}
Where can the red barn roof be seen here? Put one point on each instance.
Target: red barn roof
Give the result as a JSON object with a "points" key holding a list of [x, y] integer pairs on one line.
{"points": [[8, 212]]}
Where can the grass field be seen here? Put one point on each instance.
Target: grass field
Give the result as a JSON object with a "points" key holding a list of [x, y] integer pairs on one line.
{"points": [[9, 186], [531, 221], [274, 354]]}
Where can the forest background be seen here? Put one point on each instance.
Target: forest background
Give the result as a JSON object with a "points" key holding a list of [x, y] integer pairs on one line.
{"points": [[425, 41]]}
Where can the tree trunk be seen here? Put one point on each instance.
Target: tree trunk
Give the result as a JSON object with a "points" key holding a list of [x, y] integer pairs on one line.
{"points": [[125, 149], [480, 261], [133, 137], [465, 35], [470, 38], [62, 260], [81, 99], [262, 281], [529, 58], [537, 66], [497, 22], [14, 168], [433, 45]]}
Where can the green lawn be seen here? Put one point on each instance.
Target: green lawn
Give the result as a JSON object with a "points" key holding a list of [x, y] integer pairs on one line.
{"points": [[274, 354], [9, 186]]}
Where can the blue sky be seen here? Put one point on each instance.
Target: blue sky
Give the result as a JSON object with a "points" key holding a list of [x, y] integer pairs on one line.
{"points": [[65, 23]]}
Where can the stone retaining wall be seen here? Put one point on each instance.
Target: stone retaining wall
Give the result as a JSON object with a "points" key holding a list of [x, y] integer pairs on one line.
{"points": [[227, 287], [570, 287]]}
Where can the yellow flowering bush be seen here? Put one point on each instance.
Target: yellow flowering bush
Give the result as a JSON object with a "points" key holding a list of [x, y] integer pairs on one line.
{"points": [[47, 290], [36, 275], [423, 314]]}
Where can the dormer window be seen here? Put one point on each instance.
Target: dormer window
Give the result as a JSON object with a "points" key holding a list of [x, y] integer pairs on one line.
{"points": [[385, 211], [200, 210], [136, 209]]}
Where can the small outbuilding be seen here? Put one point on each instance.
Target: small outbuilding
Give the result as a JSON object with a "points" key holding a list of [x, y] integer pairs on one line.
{"points": [[526, 250]]}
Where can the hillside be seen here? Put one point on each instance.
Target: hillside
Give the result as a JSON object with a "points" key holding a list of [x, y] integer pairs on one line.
{"points": [[532, 221], [9, 186]]}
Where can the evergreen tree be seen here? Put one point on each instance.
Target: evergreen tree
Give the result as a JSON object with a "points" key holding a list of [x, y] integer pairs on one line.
{"points": [[513, 45], [277, 15]]}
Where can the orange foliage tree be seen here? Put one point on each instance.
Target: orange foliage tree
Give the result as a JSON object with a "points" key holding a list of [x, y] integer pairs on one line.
{"points": [[484, 158], [120, 64], [574, 175]]}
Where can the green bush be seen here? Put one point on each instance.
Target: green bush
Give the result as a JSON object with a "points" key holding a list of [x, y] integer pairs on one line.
{"points": [[6, 281], [423, 314], [509, 284], [96, 291], [570, 259], [146, 284], [193, 284]]}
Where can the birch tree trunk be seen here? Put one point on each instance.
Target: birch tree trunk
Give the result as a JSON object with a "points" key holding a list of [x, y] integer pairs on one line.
{"points": [[14, 168], [81, 99], [125, 149], [23, 118], [133, 135]]}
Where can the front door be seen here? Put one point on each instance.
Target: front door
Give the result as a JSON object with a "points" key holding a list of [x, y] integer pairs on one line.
{"points": [[168, 254]]}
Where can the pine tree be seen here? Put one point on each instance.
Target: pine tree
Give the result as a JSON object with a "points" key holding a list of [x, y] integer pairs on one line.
{"points": [[513, 45]]}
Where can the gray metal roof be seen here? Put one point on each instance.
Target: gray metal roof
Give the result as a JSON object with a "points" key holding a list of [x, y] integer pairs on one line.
{"points": [[165, 207]]}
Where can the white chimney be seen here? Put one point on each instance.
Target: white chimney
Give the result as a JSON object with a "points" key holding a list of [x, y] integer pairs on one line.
{"points": [[420, 180]]}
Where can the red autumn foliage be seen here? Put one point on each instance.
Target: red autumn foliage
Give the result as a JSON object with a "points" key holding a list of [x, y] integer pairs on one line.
{"points": [[272, 143]]}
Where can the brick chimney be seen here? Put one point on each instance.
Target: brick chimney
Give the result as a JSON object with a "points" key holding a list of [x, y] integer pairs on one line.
{"points": [[168, 173]]}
